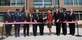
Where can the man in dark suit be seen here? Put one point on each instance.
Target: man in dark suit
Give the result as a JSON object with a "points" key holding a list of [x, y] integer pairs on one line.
{"points": [[41, 26], [64, 17], [17, 18], [26, 18], [34, 19], [57, 22], [7, 19], [71, 18]]}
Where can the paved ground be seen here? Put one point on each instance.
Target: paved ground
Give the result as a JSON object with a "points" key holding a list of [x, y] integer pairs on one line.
{"points": [[46, 36]]}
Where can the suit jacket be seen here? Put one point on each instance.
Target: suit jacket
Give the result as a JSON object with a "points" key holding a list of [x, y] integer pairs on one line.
{"points": [[40, 17], [34, 17], [17, 17], [8, 17], [64, 16], [71, 17], [26, 17], [57, 16]]}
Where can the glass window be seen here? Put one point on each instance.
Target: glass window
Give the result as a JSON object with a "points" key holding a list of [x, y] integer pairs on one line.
{"points": [[23, 2], [70, 2], [13, 2], [19, 2], [1, 16], [80, 2], [7, 2], [77, 16], [66, 2], [75, 2], [80, 16], [47, 3], [56, 3], [47, 0], [4, 2], [37, 0], [42, 3], [37, 3]]}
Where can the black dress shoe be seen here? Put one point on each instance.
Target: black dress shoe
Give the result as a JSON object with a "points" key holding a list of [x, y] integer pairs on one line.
{"points": [[7, 36], [49, 34], [41, 34], [15, 35], [72, 34], [58, 34], [69, 34], [35, 35], [24, 36], [55, 34], [18, 35], [27, 35], [64, 34]]}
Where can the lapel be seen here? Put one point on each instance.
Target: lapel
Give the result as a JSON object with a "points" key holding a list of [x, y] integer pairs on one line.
{"points": [[64, 14], [18, 13], [26, 15], [8, 15], [38, 16]]}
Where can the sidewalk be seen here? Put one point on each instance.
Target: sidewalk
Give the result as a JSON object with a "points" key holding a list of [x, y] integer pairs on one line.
{"points": [[46, 36]]}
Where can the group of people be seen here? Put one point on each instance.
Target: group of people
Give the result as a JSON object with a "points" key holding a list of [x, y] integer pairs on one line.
{"points": [[59, 17]]}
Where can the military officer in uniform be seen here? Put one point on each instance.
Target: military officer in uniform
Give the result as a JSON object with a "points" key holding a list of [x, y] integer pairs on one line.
{"points": [[17, 18], [64, 18]]}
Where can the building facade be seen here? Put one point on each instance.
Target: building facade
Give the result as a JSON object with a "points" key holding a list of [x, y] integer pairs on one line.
{"points": [[76, 5]]}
